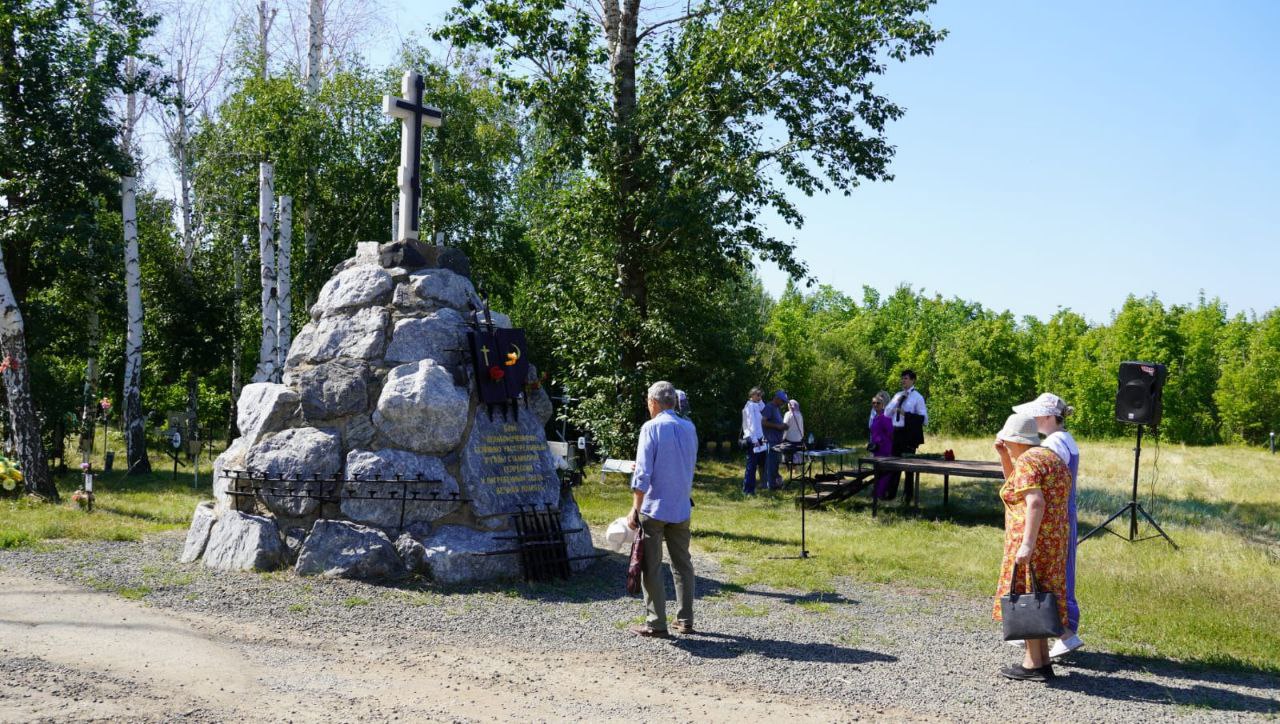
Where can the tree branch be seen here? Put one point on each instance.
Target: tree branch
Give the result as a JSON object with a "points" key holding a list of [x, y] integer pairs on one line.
{"points": [[689, 16]]}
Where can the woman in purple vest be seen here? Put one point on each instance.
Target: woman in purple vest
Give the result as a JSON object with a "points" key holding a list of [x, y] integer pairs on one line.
{"points": [[1049, 411], [881, 440]]}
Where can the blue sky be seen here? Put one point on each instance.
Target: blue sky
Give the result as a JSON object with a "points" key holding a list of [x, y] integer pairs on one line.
{"points": [[1065, 155]]}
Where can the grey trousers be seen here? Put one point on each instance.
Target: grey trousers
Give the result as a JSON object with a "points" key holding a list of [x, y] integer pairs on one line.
{"points": [[655, 595]]}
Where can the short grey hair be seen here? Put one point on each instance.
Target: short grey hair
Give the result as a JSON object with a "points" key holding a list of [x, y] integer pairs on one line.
{"points": [[663, 393]]}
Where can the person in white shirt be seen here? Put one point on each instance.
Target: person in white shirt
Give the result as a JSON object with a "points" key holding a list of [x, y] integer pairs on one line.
{"points": [[909, 415], [795, 427], [753, 440], [1050, 412]]}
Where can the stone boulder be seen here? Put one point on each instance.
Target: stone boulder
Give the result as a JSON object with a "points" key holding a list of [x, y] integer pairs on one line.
{"points": [[384, 511], [359, 286], [334, 389], [539, 400], [303, 451], [361, 334], [339, 549], [263, 408], [198, 534], [413, 553], [421, 409], [233, 458], [506, 464], [293, 539], [451, 556], [431, 289], [243, 542], [441, 337]]}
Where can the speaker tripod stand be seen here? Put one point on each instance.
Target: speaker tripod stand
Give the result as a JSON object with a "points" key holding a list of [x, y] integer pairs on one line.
{"points": [[1133, 508]]}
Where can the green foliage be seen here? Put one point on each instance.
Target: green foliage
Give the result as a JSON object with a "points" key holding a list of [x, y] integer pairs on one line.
{"points": [[833, 354], [649, 164]]}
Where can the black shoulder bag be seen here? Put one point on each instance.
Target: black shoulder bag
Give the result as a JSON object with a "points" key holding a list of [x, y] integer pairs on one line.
{"points": [[1032, 615]]}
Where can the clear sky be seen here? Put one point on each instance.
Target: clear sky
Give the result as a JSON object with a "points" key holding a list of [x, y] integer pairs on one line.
{"points": [[1065, 155]]}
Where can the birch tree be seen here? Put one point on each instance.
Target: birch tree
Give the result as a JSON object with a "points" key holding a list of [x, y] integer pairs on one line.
{"points": [[284, 305], [269, 349], [23, 423]]}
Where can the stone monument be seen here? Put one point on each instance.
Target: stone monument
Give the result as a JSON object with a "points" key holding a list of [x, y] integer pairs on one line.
{"points": [[375, 457]]}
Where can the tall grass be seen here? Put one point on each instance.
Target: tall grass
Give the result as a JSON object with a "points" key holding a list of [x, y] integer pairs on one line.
{"points": [[1215, 601], [125, 507]]}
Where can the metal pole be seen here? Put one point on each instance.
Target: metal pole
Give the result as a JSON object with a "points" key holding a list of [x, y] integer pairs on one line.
{"points": [[1133, 509]]}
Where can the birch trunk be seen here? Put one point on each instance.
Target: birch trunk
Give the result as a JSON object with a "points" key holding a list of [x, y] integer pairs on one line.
{"points": [[89, 400], [237, 350], [269, 351], [180, 142], [135, 432], [315, 45], [284, 329], [23, 422]]}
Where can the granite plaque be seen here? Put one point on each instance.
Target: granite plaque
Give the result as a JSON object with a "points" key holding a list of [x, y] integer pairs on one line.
{"points": [[506, 464]]}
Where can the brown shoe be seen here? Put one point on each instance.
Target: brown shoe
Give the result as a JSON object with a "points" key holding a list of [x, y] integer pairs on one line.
{"points": [[649, 632], [684, 629]]}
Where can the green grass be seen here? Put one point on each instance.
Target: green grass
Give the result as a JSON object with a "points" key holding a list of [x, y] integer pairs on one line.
{"points": [[354, 601], [125, 509], [1217, 599]]}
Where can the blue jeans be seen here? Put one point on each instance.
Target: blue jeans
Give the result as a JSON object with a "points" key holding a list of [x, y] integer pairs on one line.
{"points": [[755, 461], [771, 469]]}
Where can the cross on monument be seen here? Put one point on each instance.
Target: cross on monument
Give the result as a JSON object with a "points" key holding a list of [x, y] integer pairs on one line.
{"points": [[412, 114]]}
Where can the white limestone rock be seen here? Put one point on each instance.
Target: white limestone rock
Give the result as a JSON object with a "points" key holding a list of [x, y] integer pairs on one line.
{"points": [[430, 289], [360, 335], [339, 549], [303, 451], [233, 458], [421, 409], [451, 556], [362, 285], [264, 408], [243, 542], [384, 511], [440, 336], [198, 534]]}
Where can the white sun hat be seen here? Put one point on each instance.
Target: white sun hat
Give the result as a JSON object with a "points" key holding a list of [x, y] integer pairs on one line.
{"points": [[1019, 428], [1046, 405], [619, 535]]}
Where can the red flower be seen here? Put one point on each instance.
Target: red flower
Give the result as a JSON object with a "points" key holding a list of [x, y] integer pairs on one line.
{"points": [[496, 373]]}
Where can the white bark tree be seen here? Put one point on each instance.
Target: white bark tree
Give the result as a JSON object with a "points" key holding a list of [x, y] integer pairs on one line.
{"points": [[284, 303], [135, 433], [23, 423], [269, 351], [237, 349]]}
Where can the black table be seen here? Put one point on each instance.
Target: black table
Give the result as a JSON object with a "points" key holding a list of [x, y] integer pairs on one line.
{"points": [[913, 467]]}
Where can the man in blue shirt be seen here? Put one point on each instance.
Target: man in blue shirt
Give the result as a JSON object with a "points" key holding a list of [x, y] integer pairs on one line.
{"points": [[774, 427], [661, 485]]}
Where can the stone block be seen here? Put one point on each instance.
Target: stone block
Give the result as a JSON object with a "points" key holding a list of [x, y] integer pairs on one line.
{"points": [[506, 464], [339, 549], [303, 451], [243, 542], [421, 409], [360, 286], [334, 389], [264, 408], [361, 334], [440, 336], [451, 559], [198, 534], [385, 511]]}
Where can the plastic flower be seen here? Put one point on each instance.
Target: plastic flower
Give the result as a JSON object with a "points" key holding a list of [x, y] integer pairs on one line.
{"points": [[496, 373], [84, 467]]}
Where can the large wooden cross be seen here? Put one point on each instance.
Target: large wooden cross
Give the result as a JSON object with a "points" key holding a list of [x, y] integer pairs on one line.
{"points": [[412, 114]]}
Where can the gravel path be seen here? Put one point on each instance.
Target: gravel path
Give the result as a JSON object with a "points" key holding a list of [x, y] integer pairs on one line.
{"points": [[344, 649]]}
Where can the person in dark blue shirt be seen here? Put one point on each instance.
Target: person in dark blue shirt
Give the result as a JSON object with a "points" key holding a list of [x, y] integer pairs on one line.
{"points": [[774, 429]]}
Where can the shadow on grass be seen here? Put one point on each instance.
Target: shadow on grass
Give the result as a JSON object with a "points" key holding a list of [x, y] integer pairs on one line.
{"points": [[712, 645], [1090, 674], [1252, 520]]}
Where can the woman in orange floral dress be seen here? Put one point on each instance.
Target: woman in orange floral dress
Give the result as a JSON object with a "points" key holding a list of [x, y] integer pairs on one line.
{"points": [[1036, 529]]}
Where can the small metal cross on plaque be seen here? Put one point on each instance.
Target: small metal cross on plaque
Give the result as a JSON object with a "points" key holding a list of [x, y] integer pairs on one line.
{"points": [[412, 114]]}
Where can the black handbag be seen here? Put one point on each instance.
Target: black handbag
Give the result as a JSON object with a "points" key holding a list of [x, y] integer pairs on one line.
{"points": [[1031, 615]]}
